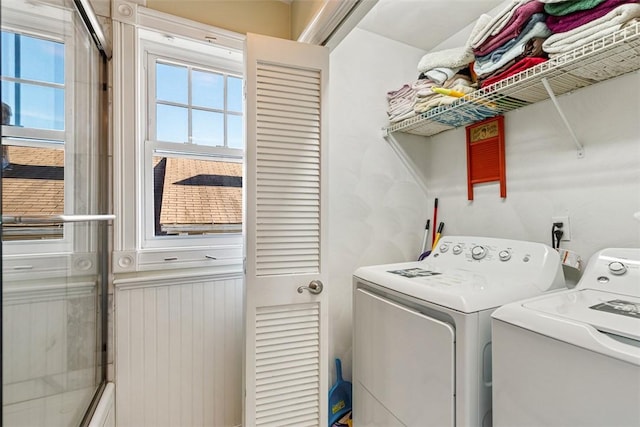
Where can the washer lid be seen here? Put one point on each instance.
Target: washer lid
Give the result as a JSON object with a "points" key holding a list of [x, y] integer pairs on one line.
{"points": [[599, 321], [607, 312], [463, 290]]}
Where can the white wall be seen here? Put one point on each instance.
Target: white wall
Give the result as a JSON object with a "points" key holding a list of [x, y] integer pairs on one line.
{"points": [[599, 192], [377, 211]]}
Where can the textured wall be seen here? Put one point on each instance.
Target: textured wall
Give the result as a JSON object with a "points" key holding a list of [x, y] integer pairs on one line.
{"points": [[377, 210]]}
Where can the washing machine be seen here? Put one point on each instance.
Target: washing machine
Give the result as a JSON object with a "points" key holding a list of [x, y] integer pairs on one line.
{"points": [[422, 330], [572, 358]]}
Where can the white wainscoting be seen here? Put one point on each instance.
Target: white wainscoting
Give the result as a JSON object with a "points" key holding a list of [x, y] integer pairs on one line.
{"points": [[178, 351]]}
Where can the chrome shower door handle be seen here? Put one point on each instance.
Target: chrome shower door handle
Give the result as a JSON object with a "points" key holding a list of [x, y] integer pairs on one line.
{"points": [[315, 287]]}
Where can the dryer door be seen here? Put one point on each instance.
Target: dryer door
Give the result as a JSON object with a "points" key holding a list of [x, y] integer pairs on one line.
{"points": [[403, 365]]}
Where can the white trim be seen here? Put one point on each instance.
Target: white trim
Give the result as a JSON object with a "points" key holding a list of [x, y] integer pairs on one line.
{"points": [[137, 33], [177, 278], [334, 20]]}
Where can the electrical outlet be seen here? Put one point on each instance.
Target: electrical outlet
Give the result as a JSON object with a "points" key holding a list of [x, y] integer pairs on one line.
{"points": [[566, 226]]}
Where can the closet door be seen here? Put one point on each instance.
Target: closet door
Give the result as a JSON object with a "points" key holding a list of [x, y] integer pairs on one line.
{"points": [[286, 366]]}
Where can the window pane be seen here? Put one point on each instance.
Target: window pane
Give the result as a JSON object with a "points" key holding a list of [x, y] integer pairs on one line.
{"points": [[208, 128], [38, 59], [32, 184], [234, 94], [171, 83], [235, 132], [34, 106], [193, 196], [172, 123], [207, 89]]}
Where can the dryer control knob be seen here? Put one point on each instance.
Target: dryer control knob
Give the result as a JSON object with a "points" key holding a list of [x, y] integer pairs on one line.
{"points": [[444, 248], [504, 255], [457, 250], [478, 252], [617, 268]]}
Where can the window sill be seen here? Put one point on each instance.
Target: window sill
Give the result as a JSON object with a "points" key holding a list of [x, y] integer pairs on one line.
{"points": [[223, 258]]}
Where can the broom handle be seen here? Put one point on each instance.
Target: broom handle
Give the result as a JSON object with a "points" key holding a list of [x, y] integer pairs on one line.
{"points": [[339, 369]]}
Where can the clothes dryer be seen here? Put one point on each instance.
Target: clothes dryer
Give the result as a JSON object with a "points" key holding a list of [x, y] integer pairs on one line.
{"points": [[422, 330], [572, 358]]}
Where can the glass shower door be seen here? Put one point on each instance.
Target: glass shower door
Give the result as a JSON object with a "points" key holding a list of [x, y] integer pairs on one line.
{"points": [[54, 238]]}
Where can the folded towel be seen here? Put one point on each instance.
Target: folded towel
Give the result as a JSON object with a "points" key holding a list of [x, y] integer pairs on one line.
{"points": [[495, 54], [438, 99], [441, 74], [497, 23], [562, 24], [450, 58], [560, 43], [457, 57], [567, 7], [513, 29], [539, 30], [515, 68]]}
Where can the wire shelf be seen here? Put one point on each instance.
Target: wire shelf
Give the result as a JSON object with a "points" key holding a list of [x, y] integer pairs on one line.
{"points": [[602, 59]]}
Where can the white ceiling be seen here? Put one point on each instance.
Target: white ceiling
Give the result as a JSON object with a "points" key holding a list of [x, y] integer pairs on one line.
{"points": [[423, 23]]}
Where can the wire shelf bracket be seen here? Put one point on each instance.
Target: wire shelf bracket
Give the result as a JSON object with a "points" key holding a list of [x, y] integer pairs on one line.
{"points": [[552, 96]]}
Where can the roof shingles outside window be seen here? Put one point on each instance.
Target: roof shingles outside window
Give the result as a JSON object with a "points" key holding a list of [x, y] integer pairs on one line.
{"points": [[34, 182], [198, 196]]}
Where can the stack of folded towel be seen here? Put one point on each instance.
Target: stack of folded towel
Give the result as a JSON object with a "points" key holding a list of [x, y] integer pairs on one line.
{"points": [[427, 99], [578, 22], [401, 103], [511, 42]]}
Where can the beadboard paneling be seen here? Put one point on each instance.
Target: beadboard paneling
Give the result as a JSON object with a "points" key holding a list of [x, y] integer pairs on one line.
{"points": [[178, 357]]}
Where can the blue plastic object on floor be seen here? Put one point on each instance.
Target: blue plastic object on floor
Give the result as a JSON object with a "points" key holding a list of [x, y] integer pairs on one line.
{"points": [[339, 397]]}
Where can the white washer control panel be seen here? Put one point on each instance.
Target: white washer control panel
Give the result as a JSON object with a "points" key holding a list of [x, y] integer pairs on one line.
{"points": [[491, 250], [613, 270]]}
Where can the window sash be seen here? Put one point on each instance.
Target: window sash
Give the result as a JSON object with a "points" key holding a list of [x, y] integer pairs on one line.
{"points": [[26, 24], [152, 147]]}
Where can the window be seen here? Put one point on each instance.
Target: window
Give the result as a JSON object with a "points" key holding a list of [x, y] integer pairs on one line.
{"points": [[194, 146], [34, 96]]}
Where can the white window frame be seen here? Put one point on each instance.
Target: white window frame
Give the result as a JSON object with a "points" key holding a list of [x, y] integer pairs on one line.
{"points": [[138, 32], [152, 50], [54, 24]]}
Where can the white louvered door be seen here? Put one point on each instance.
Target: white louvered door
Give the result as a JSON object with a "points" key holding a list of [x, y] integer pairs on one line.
{"points": [[286, 351]]}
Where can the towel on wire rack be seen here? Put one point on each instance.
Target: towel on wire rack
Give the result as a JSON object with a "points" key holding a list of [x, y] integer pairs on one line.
{"points": [[562, 24], [482, 69], [457, 57], [497, 23], [514, 68], [441, 74], [516, 25], [427, 101], [567, 7], [532, 49], [400, 103], [613, 21], [496, 54]]}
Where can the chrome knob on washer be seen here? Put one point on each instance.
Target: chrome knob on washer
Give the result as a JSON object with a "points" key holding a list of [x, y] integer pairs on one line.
{"points": [[444, 248], [617, 268], [478, 252], [457, 250], [504, 255]]}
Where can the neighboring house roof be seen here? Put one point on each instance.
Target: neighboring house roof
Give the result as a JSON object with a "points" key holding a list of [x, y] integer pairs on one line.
{"points": [[34, 182], [200, 196], [193, 196]]}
